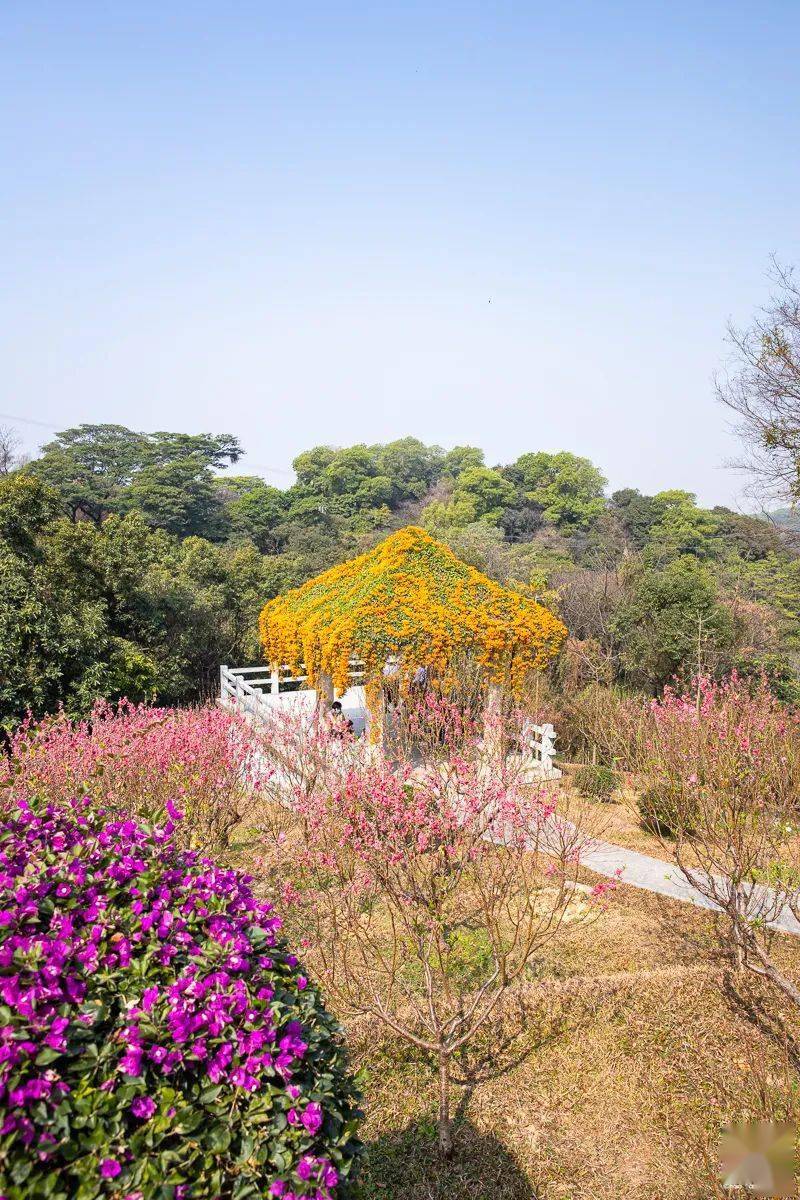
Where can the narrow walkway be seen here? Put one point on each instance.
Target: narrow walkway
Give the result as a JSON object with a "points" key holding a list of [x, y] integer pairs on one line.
{"points": [[655, 875]]}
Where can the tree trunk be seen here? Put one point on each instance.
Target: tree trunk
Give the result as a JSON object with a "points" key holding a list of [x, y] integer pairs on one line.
{"points": [[445, 1124]]}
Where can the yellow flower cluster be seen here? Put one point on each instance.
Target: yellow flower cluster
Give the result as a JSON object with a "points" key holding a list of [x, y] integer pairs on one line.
{"points": [[412, 597]]}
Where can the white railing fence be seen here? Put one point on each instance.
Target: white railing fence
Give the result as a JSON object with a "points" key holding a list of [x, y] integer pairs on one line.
{"points": [[541, 744], [254, 691]]}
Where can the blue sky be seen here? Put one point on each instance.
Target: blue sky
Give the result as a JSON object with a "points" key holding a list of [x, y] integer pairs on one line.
{"points": [[522, 226]]}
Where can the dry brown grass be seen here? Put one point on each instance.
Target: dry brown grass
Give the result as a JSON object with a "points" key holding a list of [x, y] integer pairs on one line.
{"points": [[620, 822], [633, 1053], [637, 1045]]}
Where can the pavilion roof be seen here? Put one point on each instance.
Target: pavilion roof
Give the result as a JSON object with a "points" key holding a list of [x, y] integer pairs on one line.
{"points": [[409, 596]]}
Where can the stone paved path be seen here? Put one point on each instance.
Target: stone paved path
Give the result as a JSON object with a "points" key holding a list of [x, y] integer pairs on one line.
{"points": [[655, 875]]}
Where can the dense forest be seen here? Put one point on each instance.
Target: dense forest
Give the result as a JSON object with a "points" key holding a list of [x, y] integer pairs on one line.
{"points": [[134, 564]]}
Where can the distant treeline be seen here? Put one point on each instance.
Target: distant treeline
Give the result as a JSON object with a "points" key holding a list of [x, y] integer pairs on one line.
{"points": [[130, 565]]}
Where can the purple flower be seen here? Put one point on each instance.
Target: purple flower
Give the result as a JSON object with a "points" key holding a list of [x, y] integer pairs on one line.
{"points": [[173, 812], [149, 997], [143, 1107], [305, 1168], [330, 1176], [131, 1063], [312, 1117], [132, 906]]}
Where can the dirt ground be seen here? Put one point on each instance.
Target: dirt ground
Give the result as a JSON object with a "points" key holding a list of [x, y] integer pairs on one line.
{"points": [[636, 1045]]}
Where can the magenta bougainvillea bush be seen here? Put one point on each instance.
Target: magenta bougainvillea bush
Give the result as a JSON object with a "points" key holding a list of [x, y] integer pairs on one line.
{"points": [[157, 1037]]}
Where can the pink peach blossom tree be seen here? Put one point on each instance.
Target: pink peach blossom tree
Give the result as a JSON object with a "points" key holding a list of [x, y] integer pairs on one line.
{"points": [[720, 763], [425, 887]]}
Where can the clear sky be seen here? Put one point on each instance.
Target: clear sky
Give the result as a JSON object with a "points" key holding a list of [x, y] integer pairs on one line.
{"points": [[522, 226]]}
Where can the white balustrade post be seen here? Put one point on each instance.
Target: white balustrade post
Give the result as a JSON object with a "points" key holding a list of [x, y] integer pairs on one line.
{"points": [[274, 682], [548, 749], [222, 696]]}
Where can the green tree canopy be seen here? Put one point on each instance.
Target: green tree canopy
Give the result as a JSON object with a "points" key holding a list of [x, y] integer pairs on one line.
{"points": [[255, 510], [637, 513], [411, 466], [480, 494], [671, 621], [682, 527], [566, 488], [461, 459], [93, 467], [178, 495]]}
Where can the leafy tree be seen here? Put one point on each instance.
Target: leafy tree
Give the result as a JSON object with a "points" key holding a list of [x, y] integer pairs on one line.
{"points": [[178, 495], [484, 493], [47, 633], [341, 482], [209, 449], [254, 510], [119, 609], [637, 513], [90, 466], [94, 467], [670, 622], [358, 480], [772, 582], [480, 494], [749, 537], [27, 506], [566, 488], [309, 465], [682, 527], [461, 459], [411, 466]]}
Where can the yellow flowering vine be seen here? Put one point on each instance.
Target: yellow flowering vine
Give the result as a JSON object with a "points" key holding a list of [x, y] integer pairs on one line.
{"points": [[409, 596]]}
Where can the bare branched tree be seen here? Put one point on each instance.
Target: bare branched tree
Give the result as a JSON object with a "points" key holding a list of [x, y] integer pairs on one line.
{"points": [[10, 457], [762, 388]]}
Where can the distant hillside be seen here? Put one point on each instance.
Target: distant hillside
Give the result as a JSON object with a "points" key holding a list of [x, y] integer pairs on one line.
{"points": [[787, 518]]}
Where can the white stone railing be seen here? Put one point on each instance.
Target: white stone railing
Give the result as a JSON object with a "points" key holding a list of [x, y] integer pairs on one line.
{"points": [[254, 691], [541, 743]]}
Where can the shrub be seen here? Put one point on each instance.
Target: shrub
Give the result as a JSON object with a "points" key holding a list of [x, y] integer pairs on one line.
{"points": [[134, 758], [595, 781], [599, 720], [662, 809], [158, 1039]]}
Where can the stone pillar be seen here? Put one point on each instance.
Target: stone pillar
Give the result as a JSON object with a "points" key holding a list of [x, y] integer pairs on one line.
{"points": [[493, 722], [325, 693]]}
